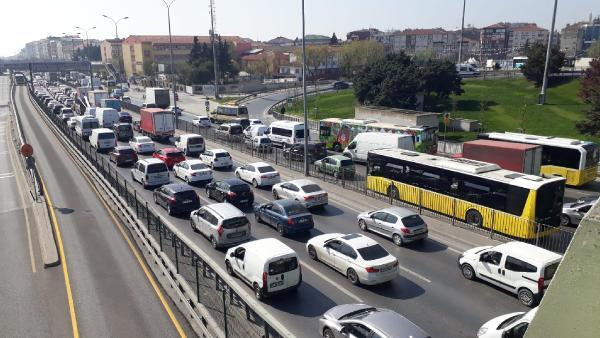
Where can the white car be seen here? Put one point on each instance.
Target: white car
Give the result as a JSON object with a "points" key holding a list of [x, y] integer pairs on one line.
{"points": [[304, 191], [255, 121], [509, 325], [201, 121], [142, 144], [72, 122], [217, 158], [358, 257], [192, 171], [258, 173]]}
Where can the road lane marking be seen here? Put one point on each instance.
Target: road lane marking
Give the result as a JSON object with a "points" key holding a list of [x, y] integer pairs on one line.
{"points": [[334, 284], [7, 176], [414, 273], [63, 260]]}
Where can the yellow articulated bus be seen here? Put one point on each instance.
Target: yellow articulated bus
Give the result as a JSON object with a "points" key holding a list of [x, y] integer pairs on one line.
{"points": [[575, 160], [479, 193]]}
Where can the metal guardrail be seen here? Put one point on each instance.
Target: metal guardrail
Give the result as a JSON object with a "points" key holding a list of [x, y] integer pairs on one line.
{"points": [[207, 284]]}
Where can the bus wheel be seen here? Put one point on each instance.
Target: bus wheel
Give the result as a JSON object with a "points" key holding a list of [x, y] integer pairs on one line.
{"points": [[474, 218], [393, 193]]}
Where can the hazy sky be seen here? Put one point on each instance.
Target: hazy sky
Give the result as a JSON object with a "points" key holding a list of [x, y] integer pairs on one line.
{"points": [[27, 20]]}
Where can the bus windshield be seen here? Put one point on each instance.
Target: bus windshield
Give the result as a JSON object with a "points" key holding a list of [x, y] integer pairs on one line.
{"points": [[593, 156]]}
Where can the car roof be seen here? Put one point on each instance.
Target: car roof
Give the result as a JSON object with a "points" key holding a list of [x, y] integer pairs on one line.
{"points": [[123, 148], [193, 161], [286, 202], [339, 157], [190, 135], [102, 130], [357, 241], [269, 248], [393, 324], [399, 211], [259, 164], [301, 182], [170, 150], [152, 161], [218, 150], [143, 137], [233, 181], [225, 210], [178, 187], [529, 252]]}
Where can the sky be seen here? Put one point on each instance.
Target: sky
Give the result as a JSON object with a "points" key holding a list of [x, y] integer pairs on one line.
{"points": [[27, 20]]}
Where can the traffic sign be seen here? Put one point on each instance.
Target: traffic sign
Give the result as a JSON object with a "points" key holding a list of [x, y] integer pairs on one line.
{"points": [[26, 150], [207, 109], [207, 103]]}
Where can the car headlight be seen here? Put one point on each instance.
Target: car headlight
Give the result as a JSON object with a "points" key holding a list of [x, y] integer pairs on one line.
{"points": [[482, 331]]}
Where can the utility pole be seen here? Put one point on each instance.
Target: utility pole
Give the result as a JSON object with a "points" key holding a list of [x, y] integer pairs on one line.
{"points": [[214, 48], [306, 130], [462, 27], [173, 84], [542, 96]]}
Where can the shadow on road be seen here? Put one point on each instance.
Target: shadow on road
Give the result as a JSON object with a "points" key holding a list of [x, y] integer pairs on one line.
{"points": [[307, 302]]}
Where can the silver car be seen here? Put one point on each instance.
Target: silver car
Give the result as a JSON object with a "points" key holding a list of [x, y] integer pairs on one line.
{"points": [[222, 223], [361, 320], [308, 193], [572, 213], [399, 224]]}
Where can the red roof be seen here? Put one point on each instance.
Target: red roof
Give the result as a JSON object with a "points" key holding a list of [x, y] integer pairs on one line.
{"points": [[528, 28], [503, 144], [497, 25]]}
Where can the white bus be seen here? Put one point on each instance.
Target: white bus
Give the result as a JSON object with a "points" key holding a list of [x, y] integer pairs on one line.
{"points": [[84, 125], [286, 133]]}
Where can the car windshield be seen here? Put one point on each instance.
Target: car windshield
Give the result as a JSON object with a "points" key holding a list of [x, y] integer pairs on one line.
{"points": [[156, 168], [372, 252], [295, 209], [105, 136], [510, 320], [198, 166], [310, 188], [265, 169], [186, 194], [283, 265], [412, 221], [239, 187], [175, 154], [235, 222], [346, 163], [195, 140], [222, 154]]}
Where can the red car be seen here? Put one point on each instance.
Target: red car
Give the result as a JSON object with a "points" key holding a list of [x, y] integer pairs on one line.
{"points": [[171, 156]]}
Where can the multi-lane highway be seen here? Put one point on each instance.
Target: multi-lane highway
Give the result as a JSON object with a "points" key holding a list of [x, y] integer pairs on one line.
{"points": [[429, 291], [110, 296]]}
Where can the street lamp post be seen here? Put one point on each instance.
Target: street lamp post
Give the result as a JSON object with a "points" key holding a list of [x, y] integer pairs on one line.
{"points": [[172, 64], [306, 130], [87, 46], [462, 27], [116, 22], [542, 96]]}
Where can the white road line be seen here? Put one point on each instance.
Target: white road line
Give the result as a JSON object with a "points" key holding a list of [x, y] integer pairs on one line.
{"points": [[7, 176], [414, 274], [334, 284]]}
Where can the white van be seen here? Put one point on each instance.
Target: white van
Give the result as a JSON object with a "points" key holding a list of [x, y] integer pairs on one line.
{"points": [[358, 149], [103, 139], [521, 268], [190, 144], [85, 124], [107, 117], [150, 172], [267, 265], [286, 133], [254, 130]]}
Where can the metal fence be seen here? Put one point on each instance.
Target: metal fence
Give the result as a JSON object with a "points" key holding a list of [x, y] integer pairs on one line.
{"points": [[227, 307], [551, 238]]}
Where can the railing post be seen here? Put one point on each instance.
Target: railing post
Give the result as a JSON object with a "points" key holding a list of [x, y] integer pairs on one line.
{"points": [[453, 211], [537, 234], [159, 228], [420, 201], [136, 203], [147, 217], [492, 225], [225, 313], [196, 258], [176, 253]]}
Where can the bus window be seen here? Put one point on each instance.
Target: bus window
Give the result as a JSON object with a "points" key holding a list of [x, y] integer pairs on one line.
{"points": [[324, 131], [593, 157], [561, 157]]}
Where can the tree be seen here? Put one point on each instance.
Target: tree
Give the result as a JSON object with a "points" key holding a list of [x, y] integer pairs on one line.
{"points": [[393, 81], [439, 80], [533, 69], [316, 58], [590, 93], [594, 50], [333, 40], [148, 67], [357, 54]]}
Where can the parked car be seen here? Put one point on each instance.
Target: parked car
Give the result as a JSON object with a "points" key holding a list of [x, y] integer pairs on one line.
{"points": [[304, 191], [193, 171], [362, 320], [259, 174], [57, 108], [509, 325], [177, 198], [573, 212], [340, 85], [222, 223], [521, 268], [150, 172], [400, 224], [201, 121], [123, 131], [286, 216], [123, 155], [142, 144], [316, 151], [358, 257], [337, 165], [170, 156], [230, 190], [217, 158], [269, 266]]}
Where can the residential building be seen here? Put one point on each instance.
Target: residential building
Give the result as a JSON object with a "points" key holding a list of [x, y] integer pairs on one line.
{"points": [[414, 41], [111, 49], [363, 34], [590, 33], [67, 45], [494, 41], [571, 40], [520, 36], [280, 41], [314, 39]]}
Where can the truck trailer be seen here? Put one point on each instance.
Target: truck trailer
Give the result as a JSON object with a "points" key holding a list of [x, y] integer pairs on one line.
{"points": [[157, 98], [157, 123], [520, 157]]}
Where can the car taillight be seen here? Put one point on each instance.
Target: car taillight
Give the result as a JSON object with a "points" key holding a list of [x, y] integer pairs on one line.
{"points": [[172, 199], [290, 221], [306, 198], [541, 284], [231, 194], [406, 231], [193, 174], [371, 269], [264, 279], [396, 263], [220, 230]]}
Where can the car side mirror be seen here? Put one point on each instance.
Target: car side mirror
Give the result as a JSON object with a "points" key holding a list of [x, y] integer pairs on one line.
{"points": [[232, 254]]}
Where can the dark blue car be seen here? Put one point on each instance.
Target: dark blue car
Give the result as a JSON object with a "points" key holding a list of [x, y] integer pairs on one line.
{"points": [[287, 216]]}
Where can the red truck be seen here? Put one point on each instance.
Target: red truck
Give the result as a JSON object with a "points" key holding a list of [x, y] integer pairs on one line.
{"points": [[520, 157], [156, 123]]}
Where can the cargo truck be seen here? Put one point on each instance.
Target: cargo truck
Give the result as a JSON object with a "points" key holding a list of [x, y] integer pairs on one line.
{"points": [[112, 103], [156, 123], [520, 157], [95, 97], [157, 98]]}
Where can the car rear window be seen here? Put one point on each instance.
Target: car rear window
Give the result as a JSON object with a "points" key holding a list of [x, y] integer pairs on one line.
{"points": [[156, 168], [236, 130], [264, 140], [125, 127], [235, 222], [222, 154], [310, 188], [550, 270], [198, 166], [195, 140], [283, 265], [105, 136], [239, 187], [295, 209], [372, 252], [412, 221], [126, 151], [346, 163], [175, 154], [265, 169], [186, 194]]}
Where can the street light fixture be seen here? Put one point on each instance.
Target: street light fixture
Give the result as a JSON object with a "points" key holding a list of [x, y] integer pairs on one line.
{"points": [[116, 22], [168, 4], [306, 130]]}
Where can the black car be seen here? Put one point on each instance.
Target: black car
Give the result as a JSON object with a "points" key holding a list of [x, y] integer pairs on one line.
{"points": [[177, 198], [241, 121], [340, 85], [123, 155], [125, 117], [231, 190], [57, 108], [316, 151], [287, 216], [123, 131]]}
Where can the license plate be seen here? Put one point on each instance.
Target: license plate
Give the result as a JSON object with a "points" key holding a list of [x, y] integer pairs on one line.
{"points": [[280, 283], [243, 201], [302, 220], [385, 269], [187, 201]]}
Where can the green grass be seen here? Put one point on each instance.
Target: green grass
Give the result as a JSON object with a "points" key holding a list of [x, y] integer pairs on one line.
{"points": [[333, 104]]}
